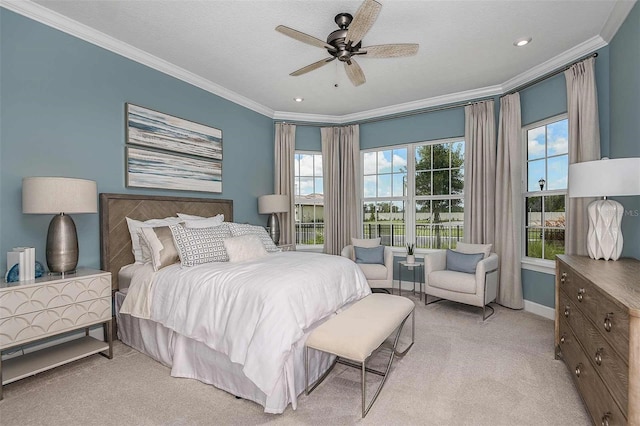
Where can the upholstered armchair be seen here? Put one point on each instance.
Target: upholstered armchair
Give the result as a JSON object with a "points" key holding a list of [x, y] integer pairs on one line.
{"points": [[477, 285], [378, 275]]}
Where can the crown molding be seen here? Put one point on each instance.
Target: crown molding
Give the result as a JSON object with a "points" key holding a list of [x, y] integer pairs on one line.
{"points": [[55, 20], [619, 13], [583, 49]]}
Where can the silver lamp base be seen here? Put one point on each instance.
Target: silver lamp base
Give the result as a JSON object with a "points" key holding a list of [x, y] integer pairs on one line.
{"points": [[62, 244], [273, 224]]}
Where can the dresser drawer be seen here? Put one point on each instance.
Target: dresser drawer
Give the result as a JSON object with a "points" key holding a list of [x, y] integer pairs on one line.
{"points": [[24, 328], [36, 297], [608, 364], [599, 402], [609, 318]]}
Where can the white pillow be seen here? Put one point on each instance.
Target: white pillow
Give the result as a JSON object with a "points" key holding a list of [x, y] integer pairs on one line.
{"points": [[467, 248], [135, 225], [238, 229], [162, 249], [200, 245], [244, 247], [213, 221], [365, 242]]}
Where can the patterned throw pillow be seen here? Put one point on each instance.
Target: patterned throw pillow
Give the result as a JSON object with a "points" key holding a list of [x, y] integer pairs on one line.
{"points": [[159, 243], [238, 229], [200, 245]]}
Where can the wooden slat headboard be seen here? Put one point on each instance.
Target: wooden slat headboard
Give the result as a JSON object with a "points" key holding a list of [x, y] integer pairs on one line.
{"points": [[115, 241]]}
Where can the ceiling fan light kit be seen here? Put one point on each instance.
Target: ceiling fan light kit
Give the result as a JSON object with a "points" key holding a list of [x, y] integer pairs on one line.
{"points": [[346, 42]]}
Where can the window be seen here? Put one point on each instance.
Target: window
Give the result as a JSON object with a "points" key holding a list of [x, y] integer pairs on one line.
{"points": [[414, 193], [309, 198], [546, 173]]}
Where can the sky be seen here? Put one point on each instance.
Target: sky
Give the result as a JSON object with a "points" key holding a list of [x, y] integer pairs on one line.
{"points": [[557, 143]]}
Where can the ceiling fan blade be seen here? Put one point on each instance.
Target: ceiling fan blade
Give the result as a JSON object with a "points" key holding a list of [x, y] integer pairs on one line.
{"points": [[312, 66], [362, 21], [354, 72], [390, 50], [305, 38]]}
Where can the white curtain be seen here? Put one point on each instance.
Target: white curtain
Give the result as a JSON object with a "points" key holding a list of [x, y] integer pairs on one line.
{"points": [[340, 169], [584, 144], [285, 147], [479, 172], [508, 221]]}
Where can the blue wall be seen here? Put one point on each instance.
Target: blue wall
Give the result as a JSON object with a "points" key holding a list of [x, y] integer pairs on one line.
{"points": [[625, 122], [62, 114]]}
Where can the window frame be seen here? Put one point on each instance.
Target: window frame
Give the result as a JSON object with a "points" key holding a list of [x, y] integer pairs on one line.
{"points": [[534, 263], [410, 198], [307, 247]]}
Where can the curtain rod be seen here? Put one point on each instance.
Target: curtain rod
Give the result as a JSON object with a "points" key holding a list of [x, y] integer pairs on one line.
{"points": [[548, 75], [444, 107]]}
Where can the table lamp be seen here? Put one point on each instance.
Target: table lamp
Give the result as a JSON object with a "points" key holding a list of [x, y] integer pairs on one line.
{"points": [[272, 204], [604, 178], [60, 196]]}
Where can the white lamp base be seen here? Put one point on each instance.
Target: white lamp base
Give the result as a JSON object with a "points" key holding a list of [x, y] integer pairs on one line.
{"points": [[604, 238]]}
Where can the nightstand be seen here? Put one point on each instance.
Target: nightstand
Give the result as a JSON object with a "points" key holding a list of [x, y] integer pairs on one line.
{"points": [[48, 306]]}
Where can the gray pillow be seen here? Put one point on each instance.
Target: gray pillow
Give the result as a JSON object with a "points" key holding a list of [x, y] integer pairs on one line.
{"points": [[369, 254], [462, 262]]}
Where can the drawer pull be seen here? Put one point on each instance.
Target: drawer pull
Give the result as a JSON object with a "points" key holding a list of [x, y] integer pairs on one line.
{"points": [[598, 356], [580, 294], [566, 311], [563, 338], [607, 322], [605, 419], [579, 369], [563, 278]]}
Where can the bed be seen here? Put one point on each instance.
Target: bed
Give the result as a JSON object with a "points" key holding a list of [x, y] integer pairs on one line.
{"points": [[214, 327]]}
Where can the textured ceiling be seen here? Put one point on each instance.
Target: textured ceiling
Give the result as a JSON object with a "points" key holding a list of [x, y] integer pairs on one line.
{"points": [[464, 45]]}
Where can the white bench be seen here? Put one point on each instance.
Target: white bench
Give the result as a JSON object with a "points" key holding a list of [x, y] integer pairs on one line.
{"points": [[355, 333]]}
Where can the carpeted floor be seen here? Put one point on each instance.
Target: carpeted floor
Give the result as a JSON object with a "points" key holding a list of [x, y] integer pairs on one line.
{"points": [[461, 371]]}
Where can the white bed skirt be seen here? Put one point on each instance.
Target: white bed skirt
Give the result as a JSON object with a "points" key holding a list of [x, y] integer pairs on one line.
{"points": [[191, 359]]}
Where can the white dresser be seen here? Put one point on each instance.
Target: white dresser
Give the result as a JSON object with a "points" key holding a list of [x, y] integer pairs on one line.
{"points": [[49, 306]]}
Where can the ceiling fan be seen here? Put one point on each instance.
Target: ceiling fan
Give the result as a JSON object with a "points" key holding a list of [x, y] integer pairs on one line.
{"points": [[346, 43]]}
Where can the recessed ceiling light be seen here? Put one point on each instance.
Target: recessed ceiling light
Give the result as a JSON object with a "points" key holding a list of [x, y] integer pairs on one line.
{"points": [[298, 99], [522, 41]]}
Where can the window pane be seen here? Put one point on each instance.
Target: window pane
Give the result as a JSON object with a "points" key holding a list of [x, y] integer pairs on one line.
{"points": [[457, 181], [554, 211], [369, 160], [317, 165], [558, 138], [533, 247], [535, 172], [534, 211], [399, 184], [536, 143], [398, 230], [384, 185], [423, 219], [369, 186], [441, 153], [457, 154], [557, 172], [423, 183], [423, 157], [441, 182], [318, 186], [306, 165], [306, 186], [384, 161], [399, 160], [296, 165]]}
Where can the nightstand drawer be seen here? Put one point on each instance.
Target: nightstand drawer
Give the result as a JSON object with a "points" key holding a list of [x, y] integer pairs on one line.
{"points": [[20, 329], [36, 297]]}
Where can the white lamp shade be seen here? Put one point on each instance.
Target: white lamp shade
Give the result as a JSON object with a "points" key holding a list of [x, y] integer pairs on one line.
{"points": [[604, 178], [53, 195], [273, 204]]}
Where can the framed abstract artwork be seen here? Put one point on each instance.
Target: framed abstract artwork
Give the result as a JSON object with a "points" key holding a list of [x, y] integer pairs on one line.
{"points": [[147, 168], [164, 132]]}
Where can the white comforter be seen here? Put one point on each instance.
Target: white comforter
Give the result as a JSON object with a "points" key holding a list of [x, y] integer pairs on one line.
{"points": [[253, 311]]}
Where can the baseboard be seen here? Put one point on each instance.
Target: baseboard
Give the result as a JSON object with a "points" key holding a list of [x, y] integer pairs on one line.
{"points": [[538, 309]]}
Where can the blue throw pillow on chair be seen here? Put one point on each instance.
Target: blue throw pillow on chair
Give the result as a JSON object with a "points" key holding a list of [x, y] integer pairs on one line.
{"points": [[369, 255], [462, 262]]}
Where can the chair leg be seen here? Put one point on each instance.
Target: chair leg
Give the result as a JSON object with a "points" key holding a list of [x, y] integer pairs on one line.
{"points": [[484, 313]]}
